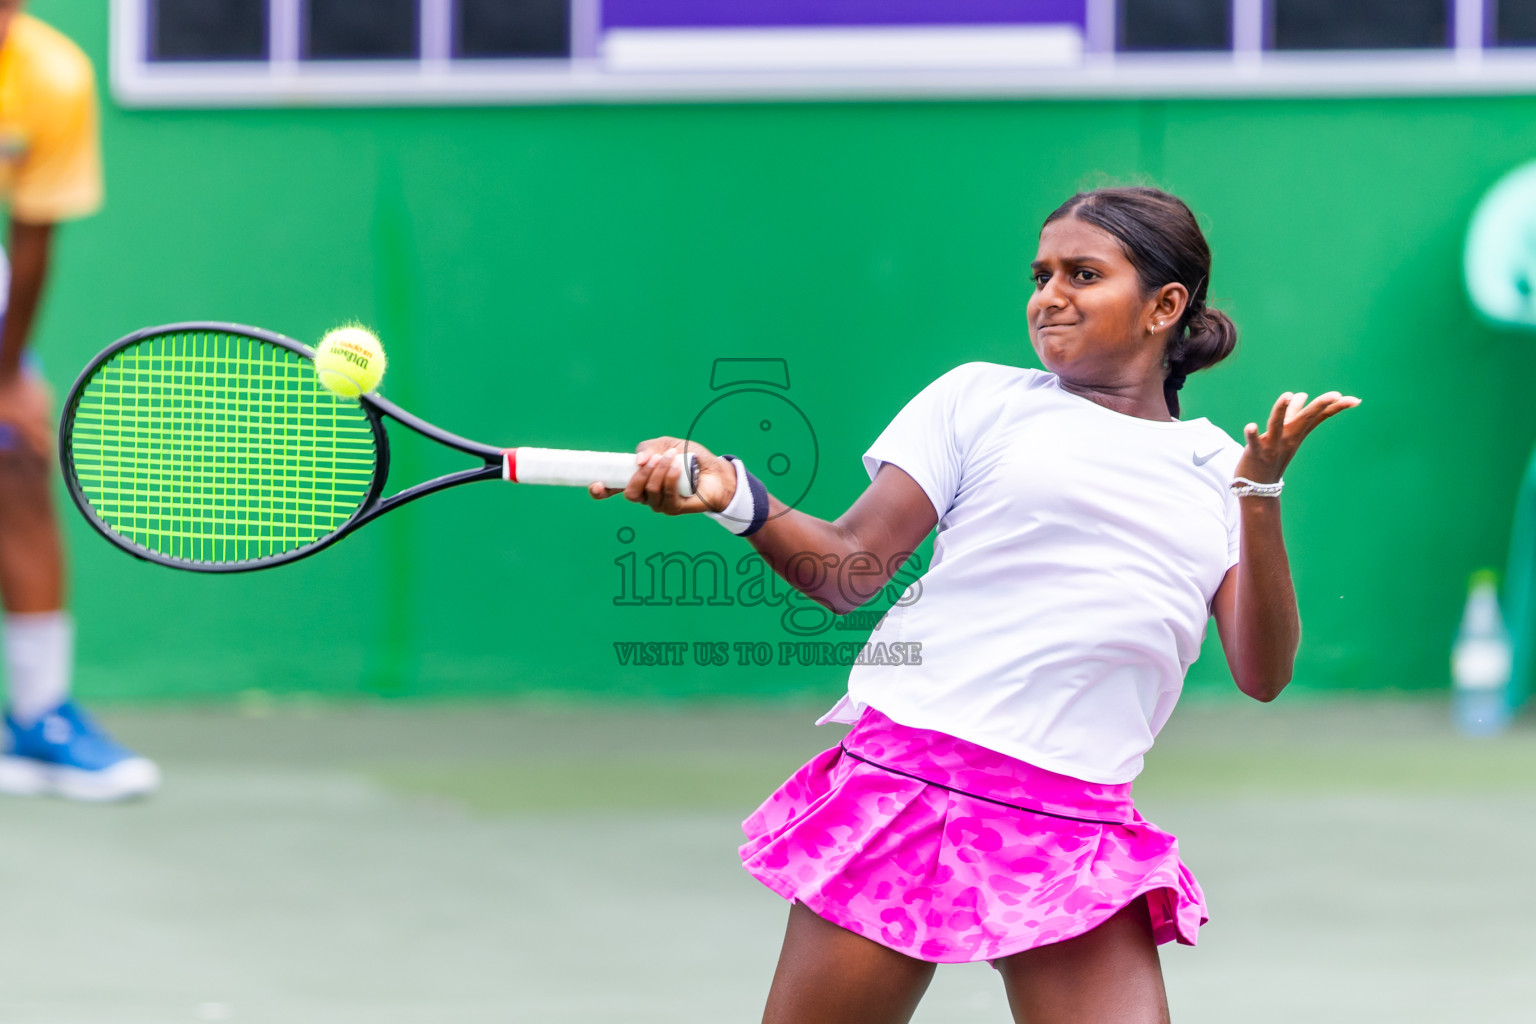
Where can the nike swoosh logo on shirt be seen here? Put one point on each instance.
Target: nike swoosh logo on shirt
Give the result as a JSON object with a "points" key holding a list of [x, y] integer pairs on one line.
{"points": [[1201, 460]]}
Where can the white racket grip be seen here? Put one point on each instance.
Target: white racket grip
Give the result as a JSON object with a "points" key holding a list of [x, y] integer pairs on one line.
{"points": [[565, 467]]}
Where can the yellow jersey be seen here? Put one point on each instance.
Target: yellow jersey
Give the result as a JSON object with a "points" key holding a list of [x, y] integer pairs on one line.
{"points": [[50, 144]]}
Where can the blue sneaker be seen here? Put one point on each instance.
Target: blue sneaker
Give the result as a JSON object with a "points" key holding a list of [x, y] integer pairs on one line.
{"points": [[65, 753]]}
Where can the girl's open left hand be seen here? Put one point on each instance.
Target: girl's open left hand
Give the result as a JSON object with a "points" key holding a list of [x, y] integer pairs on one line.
{"points": [[1290, 421]]}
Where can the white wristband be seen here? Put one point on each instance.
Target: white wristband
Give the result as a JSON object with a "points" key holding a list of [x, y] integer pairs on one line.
{"points": [[737, 516]]}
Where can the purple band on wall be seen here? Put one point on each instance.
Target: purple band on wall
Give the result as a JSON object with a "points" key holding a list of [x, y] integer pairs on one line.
{"points": [[818, 13]]}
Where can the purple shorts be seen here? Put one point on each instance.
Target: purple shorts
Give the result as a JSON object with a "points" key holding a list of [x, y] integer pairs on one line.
{"points": [[950, 852]]}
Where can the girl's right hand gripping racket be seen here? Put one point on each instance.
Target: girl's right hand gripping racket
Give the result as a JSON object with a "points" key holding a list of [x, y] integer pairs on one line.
{"points": [[213, 447]]}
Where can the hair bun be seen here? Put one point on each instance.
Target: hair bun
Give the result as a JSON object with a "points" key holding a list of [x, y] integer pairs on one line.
{"points": [[1212, 337]]}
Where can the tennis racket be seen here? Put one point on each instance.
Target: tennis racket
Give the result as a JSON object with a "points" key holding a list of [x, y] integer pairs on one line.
{"points": [[213, 447]]}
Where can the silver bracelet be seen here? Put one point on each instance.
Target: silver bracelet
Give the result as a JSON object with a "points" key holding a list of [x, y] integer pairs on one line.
{"points": [[1242, 487]]}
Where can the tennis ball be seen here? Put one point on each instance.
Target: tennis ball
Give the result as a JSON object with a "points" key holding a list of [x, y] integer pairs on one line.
{"points": [[350, 361]]}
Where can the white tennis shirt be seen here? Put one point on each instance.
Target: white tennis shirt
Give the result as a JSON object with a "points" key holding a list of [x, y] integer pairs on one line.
{"points": [[1077, 555]]}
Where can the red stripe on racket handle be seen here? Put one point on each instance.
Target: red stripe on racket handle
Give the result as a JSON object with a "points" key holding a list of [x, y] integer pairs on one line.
{"points": [[568, 468]]}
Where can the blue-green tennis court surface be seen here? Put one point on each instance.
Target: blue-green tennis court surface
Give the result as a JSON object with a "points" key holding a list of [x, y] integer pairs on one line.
{"points": [[401, 863]]}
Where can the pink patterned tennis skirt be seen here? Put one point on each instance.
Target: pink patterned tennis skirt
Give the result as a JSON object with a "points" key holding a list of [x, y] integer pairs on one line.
{"points": [[950, 852]]}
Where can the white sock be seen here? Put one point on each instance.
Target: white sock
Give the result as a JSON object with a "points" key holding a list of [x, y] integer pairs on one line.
{"points": [[39, 653]]}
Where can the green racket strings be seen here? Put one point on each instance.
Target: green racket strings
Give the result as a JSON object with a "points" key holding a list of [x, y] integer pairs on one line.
{"points": [[209, 447]]}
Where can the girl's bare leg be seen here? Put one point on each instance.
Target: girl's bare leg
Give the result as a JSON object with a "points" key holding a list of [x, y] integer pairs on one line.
{"points": [[828, 975], [1110, 975]]}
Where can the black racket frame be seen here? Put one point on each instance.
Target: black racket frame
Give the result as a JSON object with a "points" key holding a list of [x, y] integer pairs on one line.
{"points": [[374, 408]]}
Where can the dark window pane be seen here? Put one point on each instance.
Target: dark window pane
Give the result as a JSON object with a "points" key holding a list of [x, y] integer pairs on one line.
{"points": [[1175, 25], [361, 29], [1514, 23], [1361, 24], [208, 30], [513, 28]]}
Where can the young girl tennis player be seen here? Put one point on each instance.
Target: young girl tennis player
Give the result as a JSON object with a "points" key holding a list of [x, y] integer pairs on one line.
{"points": [[980, 808]]}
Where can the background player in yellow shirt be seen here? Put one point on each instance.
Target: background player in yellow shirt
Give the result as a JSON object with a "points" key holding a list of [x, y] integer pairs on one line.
{"points": [[50, 171]]}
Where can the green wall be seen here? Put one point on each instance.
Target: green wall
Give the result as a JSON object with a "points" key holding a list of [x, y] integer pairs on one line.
{"points": [[565, 276]]}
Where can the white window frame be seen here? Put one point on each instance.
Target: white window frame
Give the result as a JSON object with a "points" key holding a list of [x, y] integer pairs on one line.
{"points": [[1466, 67]]}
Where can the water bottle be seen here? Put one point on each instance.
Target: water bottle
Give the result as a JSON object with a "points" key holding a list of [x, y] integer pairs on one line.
{"points": [[1481, 661]]}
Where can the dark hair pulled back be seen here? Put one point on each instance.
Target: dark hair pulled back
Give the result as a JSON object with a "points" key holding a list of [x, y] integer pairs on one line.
{"points": [[1160, 237]]}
